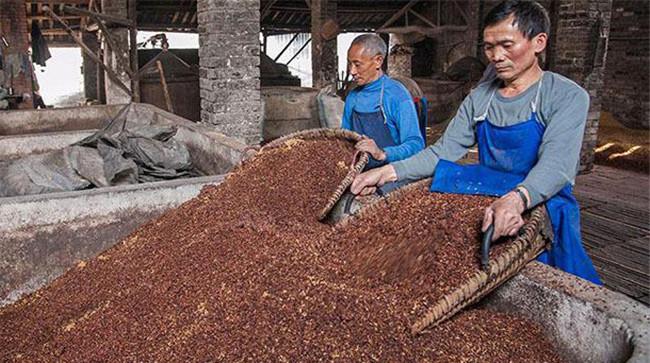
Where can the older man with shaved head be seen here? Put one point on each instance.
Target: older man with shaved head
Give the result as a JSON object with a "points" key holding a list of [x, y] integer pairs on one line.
{"points": [[380, 108]]}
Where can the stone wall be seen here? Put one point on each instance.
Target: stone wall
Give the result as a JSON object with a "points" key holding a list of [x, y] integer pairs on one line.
{"points": [[229, 59], [579, 53], [625, 91], [17, 67]]}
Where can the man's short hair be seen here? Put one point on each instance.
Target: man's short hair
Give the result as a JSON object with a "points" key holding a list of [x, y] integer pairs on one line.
{"points": [[529, 16], [372, 44]]}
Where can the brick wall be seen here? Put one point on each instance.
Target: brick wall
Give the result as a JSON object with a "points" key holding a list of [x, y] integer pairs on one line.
{"points": [[625, 92], [17, 71], [229, 59], [579, 52]]}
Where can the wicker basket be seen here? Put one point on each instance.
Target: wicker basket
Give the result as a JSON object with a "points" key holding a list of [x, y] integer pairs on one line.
{"points": [[361, 159], [527, 246]]}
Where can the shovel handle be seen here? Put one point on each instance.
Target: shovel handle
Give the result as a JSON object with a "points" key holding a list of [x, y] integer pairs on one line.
{"points": [[485, 247]]}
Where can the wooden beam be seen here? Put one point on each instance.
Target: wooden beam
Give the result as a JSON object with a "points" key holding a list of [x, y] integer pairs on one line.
{"points": [[421, 17], [58, 2], [45, 17], [399, 14], [111, 74], [106, 18], [267, 9], [461, 11], [430, 32]]}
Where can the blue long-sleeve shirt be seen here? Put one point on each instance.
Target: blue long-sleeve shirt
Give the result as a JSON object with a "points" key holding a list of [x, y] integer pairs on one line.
{"points": [[401, 116]]}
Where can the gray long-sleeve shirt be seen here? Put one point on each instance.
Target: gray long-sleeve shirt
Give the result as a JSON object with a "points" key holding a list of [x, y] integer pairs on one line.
{"points": [[562, 108]]}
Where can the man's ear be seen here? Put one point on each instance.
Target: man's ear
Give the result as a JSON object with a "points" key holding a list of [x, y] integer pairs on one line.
{"points": [[539, 42], [378, 60]]}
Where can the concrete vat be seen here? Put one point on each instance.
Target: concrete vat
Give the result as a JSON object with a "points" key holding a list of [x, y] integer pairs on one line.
{"points": [[43, 235]]}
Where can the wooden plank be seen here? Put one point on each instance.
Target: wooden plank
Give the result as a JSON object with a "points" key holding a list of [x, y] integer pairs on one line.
{"points": [[587, 203], [613, 229], [611, 265], [624, 214], [617, 281], [626, 259]]}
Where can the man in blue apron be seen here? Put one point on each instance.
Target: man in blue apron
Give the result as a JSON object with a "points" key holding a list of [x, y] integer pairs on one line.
{"points": [[380, 108], [528, 125]]}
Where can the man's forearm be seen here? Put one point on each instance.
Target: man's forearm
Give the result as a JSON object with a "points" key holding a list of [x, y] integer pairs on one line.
{"points": [[418, 166]]}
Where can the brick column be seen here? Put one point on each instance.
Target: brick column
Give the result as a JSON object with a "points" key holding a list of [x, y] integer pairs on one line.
{"points": [[627, 95], [90, 67], [117, 59], [580, 52], [17, 70], [229, 59], [324, 64]]}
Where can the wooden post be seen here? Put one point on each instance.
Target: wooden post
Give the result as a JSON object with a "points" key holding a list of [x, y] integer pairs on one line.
{"points": [[163, 82], [133, 33]]}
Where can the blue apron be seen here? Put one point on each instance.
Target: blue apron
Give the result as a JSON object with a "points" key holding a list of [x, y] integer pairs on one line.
{"points": [[373, 125], [506, 155]]}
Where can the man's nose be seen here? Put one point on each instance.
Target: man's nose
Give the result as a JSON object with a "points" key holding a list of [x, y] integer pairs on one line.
{"points": [[498, 55]]}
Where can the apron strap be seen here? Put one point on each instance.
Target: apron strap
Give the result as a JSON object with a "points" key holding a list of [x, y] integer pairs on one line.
{"points": [[533, 104], [381, 101], [487, 107]]}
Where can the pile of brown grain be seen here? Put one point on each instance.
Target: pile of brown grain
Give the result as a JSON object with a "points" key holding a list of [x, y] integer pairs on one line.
{"points": [[246, 272]]}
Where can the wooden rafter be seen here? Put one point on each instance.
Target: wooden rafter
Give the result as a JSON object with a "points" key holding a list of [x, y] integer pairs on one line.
{"points": [[421, 17], [462, 12], [399, 14], [107, 18], [267, 8]]}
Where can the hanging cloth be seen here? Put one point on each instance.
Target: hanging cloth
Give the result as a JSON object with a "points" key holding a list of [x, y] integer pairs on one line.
{"points": [[40, 50]]}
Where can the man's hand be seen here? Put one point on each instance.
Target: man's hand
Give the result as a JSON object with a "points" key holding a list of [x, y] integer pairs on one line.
{"points": [[505, 212], [368, 145], [366, 183]]}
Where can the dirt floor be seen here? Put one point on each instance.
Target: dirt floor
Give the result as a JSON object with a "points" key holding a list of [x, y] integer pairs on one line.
{"points": [[622, 147]]}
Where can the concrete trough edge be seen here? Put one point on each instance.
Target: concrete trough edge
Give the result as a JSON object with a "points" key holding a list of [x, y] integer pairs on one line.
{"points": [[630, 315], [53, 208]]}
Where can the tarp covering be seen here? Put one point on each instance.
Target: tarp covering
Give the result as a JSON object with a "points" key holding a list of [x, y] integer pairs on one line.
{"points": [[114, 155]]}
